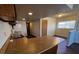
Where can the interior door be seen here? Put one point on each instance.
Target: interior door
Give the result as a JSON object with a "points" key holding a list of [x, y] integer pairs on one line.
{"points": [[28, 28], [44, 27]]}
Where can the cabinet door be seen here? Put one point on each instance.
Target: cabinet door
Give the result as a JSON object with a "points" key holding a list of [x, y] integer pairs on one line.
{"points": [[44, 27], [7, 10]]}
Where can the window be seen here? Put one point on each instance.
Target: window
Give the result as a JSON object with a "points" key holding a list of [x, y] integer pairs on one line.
{"points": [[67, 24]]}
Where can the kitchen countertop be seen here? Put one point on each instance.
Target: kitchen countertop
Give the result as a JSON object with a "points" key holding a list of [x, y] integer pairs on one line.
{"points": [[32, 45]]}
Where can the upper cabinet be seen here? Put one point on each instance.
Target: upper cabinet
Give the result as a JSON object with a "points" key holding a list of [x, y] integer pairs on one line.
{"points": [[7, 12]]}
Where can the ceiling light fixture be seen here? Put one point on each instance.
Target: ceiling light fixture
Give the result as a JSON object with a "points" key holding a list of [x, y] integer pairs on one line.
{"points": [[60, 15], [30, 13]]}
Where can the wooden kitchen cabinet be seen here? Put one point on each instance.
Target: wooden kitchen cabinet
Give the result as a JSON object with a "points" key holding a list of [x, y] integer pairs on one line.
{"points": [[7, 12]]}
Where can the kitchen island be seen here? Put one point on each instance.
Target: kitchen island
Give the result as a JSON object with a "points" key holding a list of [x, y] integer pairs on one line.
{"points": [[38, 45]]}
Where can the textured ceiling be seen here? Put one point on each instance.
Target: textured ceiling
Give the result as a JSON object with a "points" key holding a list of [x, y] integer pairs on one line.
{"points": [[39, 10]]}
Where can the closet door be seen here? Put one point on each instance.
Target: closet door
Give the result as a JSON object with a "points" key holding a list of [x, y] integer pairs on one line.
{"points": [[44, 27]]}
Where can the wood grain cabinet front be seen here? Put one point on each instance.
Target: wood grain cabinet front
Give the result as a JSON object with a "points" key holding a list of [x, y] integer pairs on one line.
{"points": [[7, 11]]}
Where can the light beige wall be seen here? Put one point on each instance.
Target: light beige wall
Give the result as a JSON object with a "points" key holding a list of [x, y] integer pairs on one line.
{"points": [[37, 27], [64, 32], [51, 26]]}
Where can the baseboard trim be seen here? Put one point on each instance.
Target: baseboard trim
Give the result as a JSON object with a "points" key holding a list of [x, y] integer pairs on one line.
{"points": [[60, 36]]}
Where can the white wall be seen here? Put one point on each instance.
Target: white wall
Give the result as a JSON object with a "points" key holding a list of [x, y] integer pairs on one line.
{"points": [[21, 27], [64, 32], [51, 26], [5, 32]]}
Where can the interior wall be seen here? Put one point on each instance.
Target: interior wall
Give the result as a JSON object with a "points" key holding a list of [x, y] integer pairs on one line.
{"points": [[5, 32], [51, 26], [22, 28], [35, 30], [63, 32]]}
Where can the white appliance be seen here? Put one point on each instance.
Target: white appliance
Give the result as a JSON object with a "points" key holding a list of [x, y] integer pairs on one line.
{"points": [[74, 35], [71, 37]]}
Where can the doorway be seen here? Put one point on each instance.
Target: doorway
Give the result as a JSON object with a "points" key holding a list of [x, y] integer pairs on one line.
{"points": [[44, 27]]}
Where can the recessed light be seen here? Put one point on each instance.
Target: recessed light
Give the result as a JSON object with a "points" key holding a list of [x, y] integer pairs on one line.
{"points": [[59, 15], [30, 13]]}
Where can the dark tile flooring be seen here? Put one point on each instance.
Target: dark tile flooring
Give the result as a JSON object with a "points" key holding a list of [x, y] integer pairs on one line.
{"points": [[63, 49]]}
